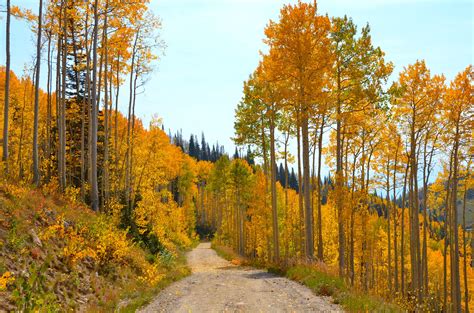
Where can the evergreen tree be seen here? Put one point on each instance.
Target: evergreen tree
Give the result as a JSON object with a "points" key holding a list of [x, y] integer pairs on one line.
{"points": [[208, 152], [329, 181], [249, 156], [192, 147], [281, 175], [213, 154], [204, 155], [201, 152], [236, 154], [218, 152], [293, 180], [197, 154]]}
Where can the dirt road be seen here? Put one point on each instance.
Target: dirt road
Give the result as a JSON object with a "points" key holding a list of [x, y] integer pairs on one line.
{"points": [[218, 286]]}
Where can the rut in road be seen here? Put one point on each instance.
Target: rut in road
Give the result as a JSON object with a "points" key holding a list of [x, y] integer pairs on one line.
{"points": [[217, 285]]}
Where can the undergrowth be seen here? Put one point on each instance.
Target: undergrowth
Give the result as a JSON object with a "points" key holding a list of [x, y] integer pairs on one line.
{"points": [[327, 284], [58, 255]]}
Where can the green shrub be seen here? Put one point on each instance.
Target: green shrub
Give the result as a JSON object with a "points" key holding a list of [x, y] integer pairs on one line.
{"points": [[30, 293], [166, 258], [16, 238]]}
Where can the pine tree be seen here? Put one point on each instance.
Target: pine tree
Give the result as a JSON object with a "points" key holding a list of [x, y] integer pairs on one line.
{"points": [[213, 154], [281, 174], [249, 156], [197, 152], [208, 152], [204, 146], [293, 180], [236, 154], [192, 147]]}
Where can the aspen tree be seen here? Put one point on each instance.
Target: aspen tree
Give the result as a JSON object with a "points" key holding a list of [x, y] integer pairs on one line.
{"points": [[7, 90], [457, 113], [36, 171], [304, 54]]}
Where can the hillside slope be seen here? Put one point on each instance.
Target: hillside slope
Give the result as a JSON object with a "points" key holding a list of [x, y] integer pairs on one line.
{"points": [[57, 255]]}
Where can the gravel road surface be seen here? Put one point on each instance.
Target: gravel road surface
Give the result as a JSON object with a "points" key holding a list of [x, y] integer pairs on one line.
{"points": [[217, 285]]}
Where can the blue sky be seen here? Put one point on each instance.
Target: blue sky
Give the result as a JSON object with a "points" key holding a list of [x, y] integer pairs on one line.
{"points": [[213, 45]]}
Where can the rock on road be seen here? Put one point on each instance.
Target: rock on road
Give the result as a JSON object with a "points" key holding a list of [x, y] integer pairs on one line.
{"points": [[218, 286]]}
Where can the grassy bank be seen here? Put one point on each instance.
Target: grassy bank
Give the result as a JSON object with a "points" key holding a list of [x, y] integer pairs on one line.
{"points": [[325, 284], [320, 281]]}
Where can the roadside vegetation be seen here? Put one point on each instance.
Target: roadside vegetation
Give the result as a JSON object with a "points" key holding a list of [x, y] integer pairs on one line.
{"points": [[56, 254], [322, 281]]}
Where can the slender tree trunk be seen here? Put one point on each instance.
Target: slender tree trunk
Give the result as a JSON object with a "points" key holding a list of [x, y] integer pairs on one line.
{"points": [[307, 187], [352, 222], [300, 185], [402, 239], [464, 239], [130, 117], [116, 115], [22, 131], [83, 133], [447, 217], [110, 115], [7, 91], [49, 110], [368, 269], [414, 208], [62, 99], [78, 96], [276, 244], [58, 99], [320, 224], [94, 120], [86, 110], [339, 174], [132, 145], [427, 159], [265, 170], [313, 185], [287, 242], [368, 170], [363, 261], [105, 178], [395, 211], [389, 238], [36, 170], [455, 288], [413, 260]]}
